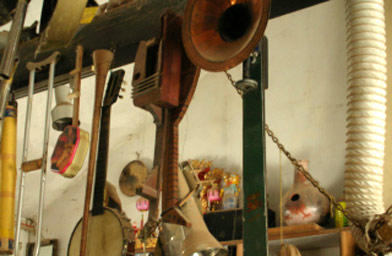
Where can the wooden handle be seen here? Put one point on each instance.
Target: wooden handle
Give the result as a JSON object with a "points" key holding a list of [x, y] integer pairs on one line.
{"points": [[38, 65], [77, 73], [32, 165], [102, 60]]}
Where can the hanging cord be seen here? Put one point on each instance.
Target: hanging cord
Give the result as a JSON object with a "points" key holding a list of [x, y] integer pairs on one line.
{"points": [[281, 197]]}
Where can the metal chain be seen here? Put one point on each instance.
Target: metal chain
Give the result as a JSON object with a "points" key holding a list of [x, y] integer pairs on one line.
{"points": [[301, 169], [380, 220], [311, 179], [233, 83]]}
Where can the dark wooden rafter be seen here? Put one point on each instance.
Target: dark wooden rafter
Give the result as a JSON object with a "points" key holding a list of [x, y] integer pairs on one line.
{"points": [[121, 29]]}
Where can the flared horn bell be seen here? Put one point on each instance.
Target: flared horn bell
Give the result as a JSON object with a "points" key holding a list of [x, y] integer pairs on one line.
{"points": [[190, 241], [220, 34]]}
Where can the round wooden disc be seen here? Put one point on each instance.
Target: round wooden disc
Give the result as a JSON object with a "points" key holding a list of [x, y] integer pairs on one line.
{"points": [[132, 177]]}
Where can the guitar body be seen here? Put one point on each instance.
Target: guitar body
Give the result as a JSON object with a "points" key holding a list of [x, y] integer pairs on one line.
{"points": [[70, 151], [109, 233]]}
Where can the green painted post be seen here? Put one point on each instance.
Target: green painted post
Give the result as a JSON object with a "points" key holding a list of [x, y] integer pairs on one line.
{"points": [[255, 237]]}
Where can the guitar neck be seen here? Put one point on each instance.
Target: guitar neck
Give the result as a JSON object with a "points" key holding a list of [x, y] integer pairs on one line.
{"points": [[153, 213], [170, 162], [102, 60], [102, 162]]}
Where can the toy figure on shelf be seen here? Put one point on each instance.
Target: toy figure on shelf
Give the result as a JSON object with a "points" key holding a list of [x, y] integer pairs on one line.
{"points": [[303, 203], [213, 197], [230, 191], [203, 199], [220, 190]]}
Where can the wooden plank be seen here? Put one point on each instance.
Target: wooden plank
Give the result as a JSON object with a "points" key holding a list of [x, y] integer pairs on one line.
{"points": [[300, 231], [254, 186], [121, 29], [240, 249], [280, 8], [347, 243], [307, 231]]}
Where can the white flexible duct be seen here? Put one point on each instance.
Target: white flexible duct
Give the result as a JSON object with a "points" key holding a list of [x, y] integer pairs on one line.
{"points": [[366, 95]]}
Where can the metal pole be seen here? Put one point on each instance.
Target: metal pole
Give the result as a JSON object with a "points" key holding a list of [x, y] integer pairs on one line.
{"points": [[254, 185], [8, 60], [44, 158], [22, 175]]}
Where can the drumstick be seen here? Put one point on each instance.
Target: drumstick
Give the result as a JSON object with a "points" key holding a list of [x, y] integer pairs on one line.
{"points": [[102, 60], [77, 80]]}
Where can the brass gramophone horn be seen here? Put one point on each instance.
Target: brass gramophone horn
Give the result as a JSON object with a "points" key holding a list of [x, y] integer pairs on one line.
{"points": [[220, 34]]}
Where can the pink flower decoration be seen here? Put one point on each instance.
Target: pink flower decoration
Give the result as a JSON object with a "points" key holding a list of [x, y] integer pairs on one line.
{"points": [[142, 204]]}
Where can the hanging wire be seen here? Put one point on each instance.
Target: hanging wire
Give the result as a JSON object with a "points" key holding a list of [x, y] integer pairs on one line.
{"points": [[281, 197]]}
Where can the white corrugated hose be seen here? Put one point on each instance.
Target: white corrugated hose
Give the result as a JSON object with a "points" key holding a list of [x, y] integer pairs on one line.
{"points": [[366, 95]]}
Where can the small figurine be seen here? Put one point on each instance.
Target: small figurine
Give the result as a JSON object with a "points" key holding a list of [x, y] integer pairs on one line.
{"points": [[213, 197], [230, 191]]}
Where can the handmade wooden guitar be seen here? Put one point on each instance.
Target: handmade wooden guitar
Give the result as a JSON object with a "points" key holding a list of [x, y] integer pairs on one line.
{"points": [[177, 76], [109, 232], [72, 145]]}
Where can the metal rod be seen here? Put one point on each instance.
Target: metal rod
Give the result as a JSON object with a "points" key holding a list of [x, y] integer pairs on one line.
{"points": [[22, 174], [8, 60], [44, 158]]}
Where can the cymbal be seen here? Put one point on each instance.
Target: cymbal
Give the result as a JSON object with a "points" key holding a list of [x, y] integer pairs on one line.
{"points": [[132, 177]]}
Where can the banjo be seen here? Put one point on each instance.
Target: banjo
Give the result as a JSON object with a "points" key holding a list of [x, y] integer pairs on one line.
{"points": [[109, 231]]}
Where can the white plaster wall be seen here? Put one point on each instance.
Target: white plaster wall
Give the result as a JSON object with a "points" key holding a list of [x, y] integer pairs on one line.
{"points": [[305, 103], [305, 106]]}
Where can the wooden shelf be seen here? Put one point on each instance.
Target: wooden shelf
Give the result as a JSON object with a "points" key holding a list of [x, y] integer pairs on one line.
{"points": [[307, 237], [148, 250], [304, 237]]}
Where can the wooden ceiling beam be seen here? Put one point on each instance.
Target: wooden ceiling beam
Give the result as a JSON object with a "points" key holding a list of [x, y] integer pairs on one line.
{"points": [[120, 29]]}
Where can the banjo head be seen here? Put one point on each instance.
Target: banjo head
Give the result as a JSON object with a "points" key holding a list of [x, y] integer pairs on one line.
{"points": [[106, 235]]}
